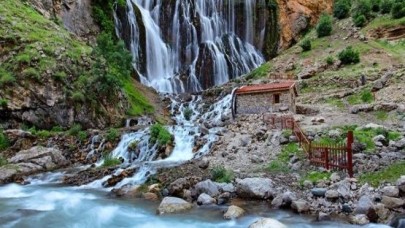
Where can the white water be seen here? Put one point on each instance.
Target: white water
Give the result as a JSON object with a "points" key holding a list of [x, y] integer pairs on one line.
{"points": [[166, 58]]}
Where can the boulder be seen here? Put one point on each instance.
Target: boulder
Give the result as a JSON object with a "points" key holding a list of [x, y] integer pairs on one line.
{"points": [[150, 196], [267, 223], [381, 211], [364, 205], [391, 191], [360, 219], [323, 217], [255, 188], [398, 221], [224, 198], [204, 163], [391, 202], [234, 212], [176, 187], [332, 194], [319, 192], [38, 153], [205, 199], [400, 144], [401, 184], [207, 187], [300, 206], [173, 205], [225, 187]]}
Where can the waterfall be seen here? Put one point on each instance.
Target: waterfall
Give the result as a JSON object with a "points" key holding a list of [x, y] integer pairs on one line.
{"points": [[189, 45]]}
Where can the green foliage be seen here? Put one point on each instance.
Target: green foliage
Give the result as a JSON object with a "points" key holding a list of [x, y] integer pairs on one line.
{"points": [[3, 161], [31, 73], [59, 76], [341, 9], [381, 115], [367, 96], [362, 97], [78, 96], [349, 56], [112, 134], [287, 151], [23, 58], [221, 174], [3, 103], [6, 78], [398, 10], [336, 102], [366, 136], [260, 72], [43, 134], [160, 135], [375, 5], [4, 142], [110, 161], [138, 102], [315, 177], [324, 27], [305, 45], [74, 130], [386, 6], [82, 135], [287, 133], [330, 60], [360, 21], [276, 166], [188, 112], [389, 174], [362, 7], [394, 135]]}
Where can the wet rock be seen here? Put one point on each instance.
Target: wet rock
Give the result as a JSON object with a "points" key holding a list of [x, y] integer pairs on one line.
{"points": [[277, 202], [323, 217], [150, 196], [255, 188], [267, 223], [359, 219], [346, 208], [391, 191], [300, 206], [398, 221], [205, 199], [207, 187], [115, 179], [176, 187], [391, 202], [234, 212], [319, 192], [173, 205], [224, 198], [87, 176]]}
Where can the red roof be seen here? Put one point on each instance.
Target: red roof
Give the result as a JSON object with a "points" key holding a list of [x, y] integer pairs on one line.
{"points": [[281, 86]]}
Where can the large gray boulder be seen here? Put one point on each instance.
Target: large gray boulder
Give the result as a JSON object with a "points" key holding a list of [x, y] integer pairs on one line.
{"points": [[255, 188], [234, 212], [364, 205], [267, 223], [391, 191], [173, 205], [391, 202], [208, 187], [205, 199]]}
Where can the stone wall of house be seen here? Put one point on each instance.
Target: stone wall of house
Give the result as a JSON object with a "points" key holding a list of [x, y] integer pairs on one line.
{"points": [[263, 102]]}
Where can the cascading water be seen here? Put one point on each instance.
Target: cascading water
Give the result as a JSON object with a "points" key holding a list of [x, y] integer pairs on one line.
{"points": [[190, 45]]}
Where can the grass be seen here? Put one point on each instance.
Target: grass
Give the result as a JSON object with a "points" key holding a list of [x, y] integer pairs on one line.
{"points": [[3, 103], [160, 135], [276, 166], [381, 115], [287, 133], [315, 177], [6, 78], [280, 164], [260, 72], [74, 130], [3, 161], [389, 174], [4, 142], [138, 103], [394, 135], [110, 161], [112, 134], [362, 97], [221, 174], [385, 21], [336, 102]]}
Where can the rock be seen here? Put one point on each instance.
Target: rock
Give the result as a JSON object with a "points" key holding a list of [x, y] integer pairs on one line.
{"points": [[398, 221], [401, 184], [391, 202], [204, 163], [332, 194], [267, 223], [256, 159], [323, 217], [224, 198], [377, 85], [233, 212], [115, 179], [176, 187], [277, 202], [155, 188], [308, 184], [359, 219], [364, 205], [207, 187], [300, 206], [391, 191], [380, 139], [358, 147], [336, 133], [255, 188], [7, 173], [225, 187], [346, 208], [39, 152], [335, 177], [173, 205], [381, 211], [344, 189], [150, 196], [400, 144], [319, 192], [283, 140], [205, 199]]}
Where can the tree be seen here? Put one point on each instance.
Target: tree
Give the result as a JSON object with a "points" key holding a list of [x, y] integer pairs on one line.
{"points": [[341, 9], [348, 56], [306, 45], [324, 27]]}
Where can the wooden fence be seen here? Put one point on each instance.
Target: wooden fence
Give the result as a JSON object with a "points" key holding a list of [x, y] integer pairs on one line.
{"points": [[332, 157]]}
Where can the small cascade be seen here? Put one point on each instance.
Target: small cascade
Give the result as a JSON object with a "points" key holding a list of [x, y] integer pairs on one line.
{"points": [[187, 46], [97, 144]]}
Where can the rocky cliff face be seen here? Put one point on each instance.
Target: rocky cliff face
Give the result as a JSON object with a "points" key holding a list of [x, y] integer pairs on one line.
{"points": [[297, 15]]}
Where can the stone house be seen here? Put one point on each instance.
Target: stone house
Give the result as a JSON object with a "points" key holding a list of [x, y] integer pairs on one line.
{"points": [[265, 98]]}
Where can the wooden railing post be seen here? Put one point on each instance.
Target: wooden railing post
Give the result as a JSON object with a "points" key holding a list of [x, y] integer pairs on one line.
{"points": [[326, 158], [350, 140]]}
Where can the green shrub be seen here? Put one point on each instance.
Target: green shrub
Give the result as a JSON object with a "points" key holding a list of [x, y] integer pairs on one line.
{"points": [[43, 134], [74, 130], [78, 97], [4, 142], [160, 135], [394, 135], [375, 5], [386, 6], [348, 56], [330, 60], [362, 7], [359, 21], [367, 96], [57, 129], [188, 112], [3, 103], [324, 27], [31, 73], [112, 134], [398, 10], [381, 115], [306, 45], [110, 161], [221, 174], [59, 76], [276, 166], [6, 78], [23, 58], [341, 9], [82, 135]]}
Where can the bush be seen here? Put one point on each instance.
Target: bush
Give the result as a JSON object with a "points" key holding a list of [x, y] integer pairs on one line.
{"points": [[348, 56], [367, 96], [82, 135], [398, 10], [110, 161], [360, 21], [221, 174], [188, 112], [306, 45], [324, 27], [3, 103], [341, 9], [160, 135], [362, 7], [330, 60], [6, 78], [74, 130], [112, 134], [4, 142], [78, 97], [375, 5], [386, 6]]}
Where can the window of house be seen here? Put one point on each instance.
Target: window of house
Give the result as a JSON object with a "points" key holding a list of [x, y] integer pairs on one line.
{"points": [[276, 98]]}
